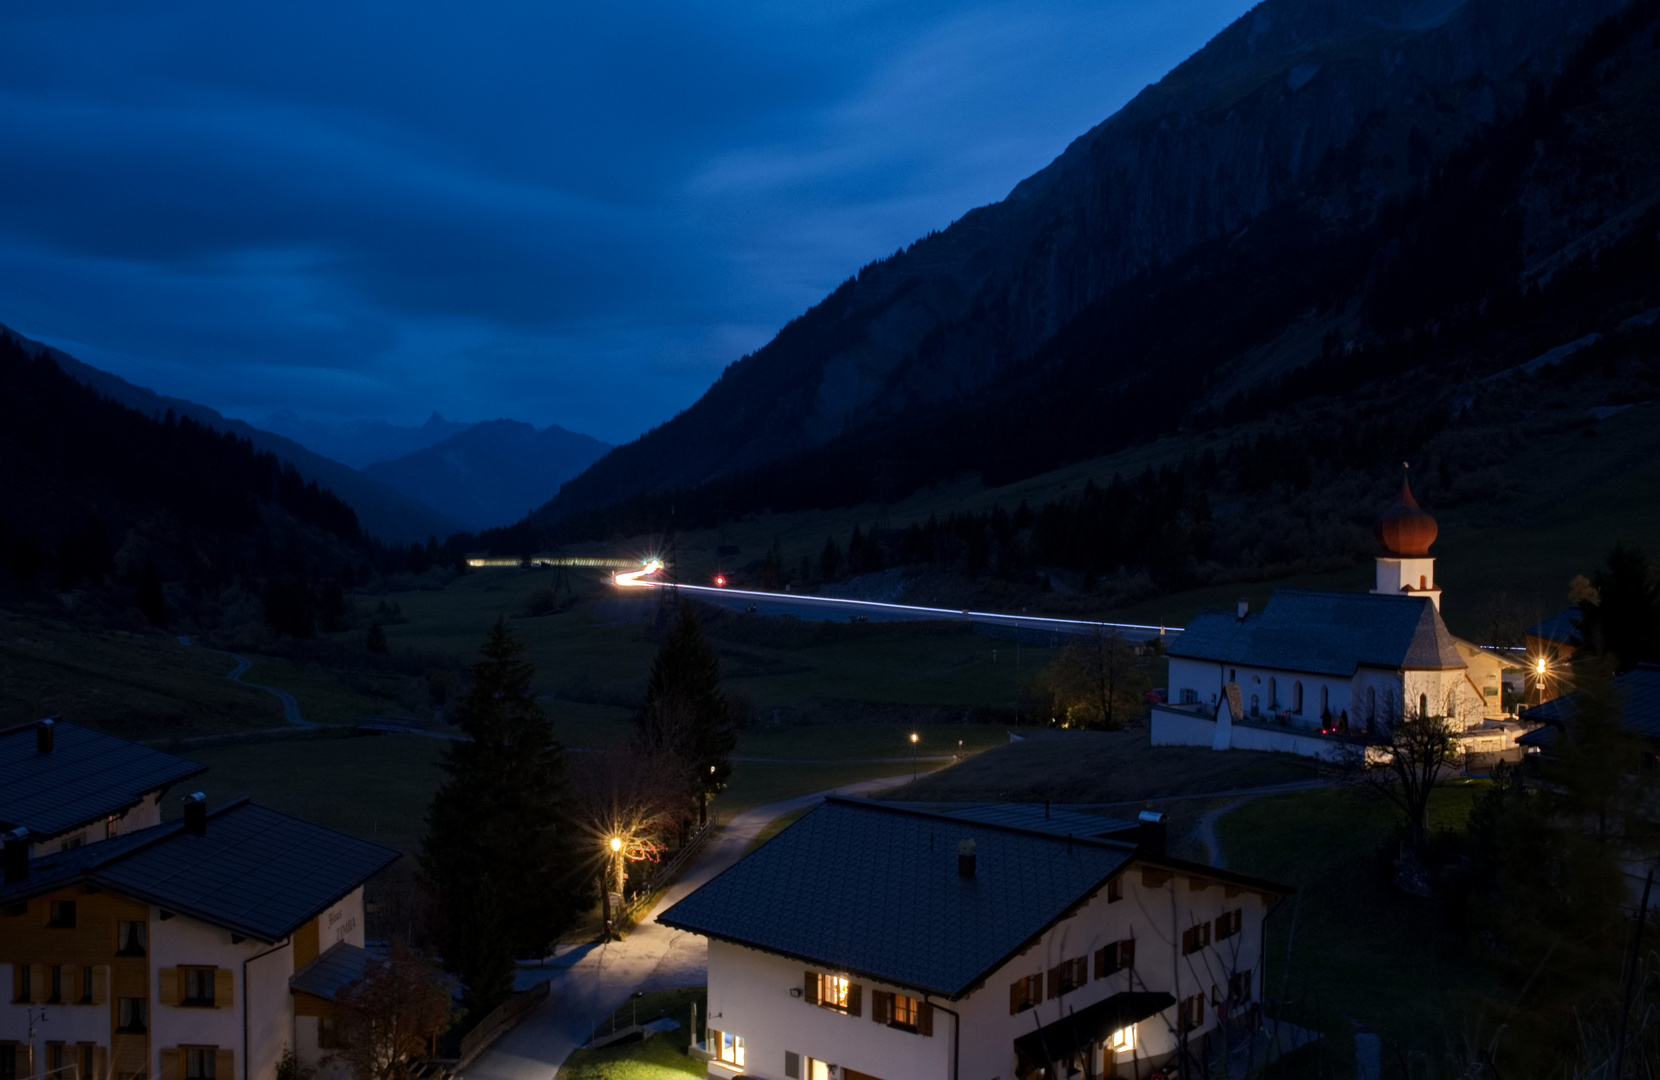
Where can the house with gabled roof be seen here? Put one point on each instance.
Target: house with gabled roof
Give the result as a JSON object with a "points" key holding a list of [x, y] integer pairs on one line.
{"points": [[873, 941], [166, 953], [71, 785], [1320, 673], [1636, 694]]}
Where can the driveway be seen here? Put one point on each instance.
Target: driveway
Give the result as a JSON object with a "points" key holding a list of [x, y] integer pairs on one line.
{"points": [[590, 982]]}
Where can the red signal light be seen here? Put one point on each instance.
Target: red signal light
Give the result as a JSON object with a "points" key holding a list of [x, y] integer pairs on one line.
{"points": [[720, 581]]}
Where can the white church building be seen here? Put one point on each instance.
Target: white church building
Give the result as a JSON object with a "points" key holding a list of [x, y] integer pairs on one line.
{"points": [[1316, 673]]}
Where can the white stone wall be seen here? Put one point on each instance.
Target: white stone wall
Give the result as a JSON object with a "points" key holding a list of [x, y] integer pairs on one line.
{"points": [[750, 991], [68, 1022], [1275, 690], [141, 816], [182, 941]]}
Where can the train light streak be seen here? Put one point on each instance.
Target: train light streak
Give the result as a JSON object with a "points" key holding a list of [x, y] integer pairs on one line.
{"points": [[631, 579]]}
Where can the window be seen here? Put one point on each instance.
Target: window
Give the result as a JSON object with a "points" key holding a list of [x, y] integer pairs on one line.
{"points": [[1193, 1013], [23, 982], [86, 991], [57, 984], [1297, 698], [55, 1057], [1256, 708], [1025, 993], [61, 914], [199, 1062], [1273, 693], [834, 992], [727, 1047], [1068, 975], [1233, 674], [1119, 956], [1423, 706], [1229, 923], [8, 1061], [129, 939], [85, 1054], [792, 1065], [902, 1011], [72, 843], [1115, 890], [818, 1070], [1325, 699], [133, 1016], [1195, 938], [197, 986], [1190, 696], [1122, 1041], [1239, 988]]}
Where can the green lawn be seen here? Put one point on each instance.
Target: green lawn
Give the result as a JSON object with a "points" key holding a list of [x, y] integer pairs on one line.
{"points": [[329, 695], [376, 787], [662, 1057], [1099, 766], [1360, 949]]}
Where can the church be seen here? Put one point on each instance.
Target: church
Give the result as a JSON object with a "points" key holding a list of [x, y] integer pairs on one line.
{"points": [[1317, 673]]}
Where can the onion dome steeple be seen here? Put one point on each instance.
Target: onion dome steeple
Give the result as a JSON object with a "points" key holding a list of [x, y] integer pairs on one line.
{"points": [[1406, 530]]}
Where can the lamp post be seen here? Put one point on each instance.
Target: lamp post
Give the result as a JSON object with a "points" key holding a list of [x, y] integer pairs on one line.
{"points": [[1540, 670], [913, 757], [605, 880]]}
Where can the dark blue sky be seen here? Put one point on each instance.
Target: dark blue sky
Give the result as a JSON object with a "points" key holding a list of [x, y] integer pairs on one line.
{"points": [[573, 214]]}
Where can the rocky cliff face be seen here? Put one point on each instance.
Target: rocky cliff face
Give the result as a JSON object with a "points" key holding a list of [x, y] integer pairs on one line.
{"points": [[1339, 102]]}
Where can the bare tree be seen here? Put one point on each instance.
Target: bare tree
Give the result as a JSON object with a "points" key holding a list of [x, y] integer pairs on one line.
{"points": [[391, 1015], [1406, 765], [629, 800], [1097, 681]]}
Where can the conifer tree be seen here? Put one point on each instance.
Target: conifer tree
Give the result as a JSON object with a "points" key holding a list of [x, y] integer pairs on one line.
{"points": [[686, 714], [502, 849]]}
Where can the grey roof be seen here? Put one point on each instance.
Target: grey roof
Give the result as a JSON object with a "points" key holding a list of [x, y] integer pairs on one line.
{"points": [[337, 968], [86, 776], [874, 890], [1639, 694], [1563, 627], [1325, 633], [1040, 817], [256, 872]]}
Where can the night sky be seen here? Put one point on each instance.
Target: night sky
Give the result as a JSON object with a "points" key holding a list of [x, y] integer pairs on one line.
{"points": [[573, 214]]}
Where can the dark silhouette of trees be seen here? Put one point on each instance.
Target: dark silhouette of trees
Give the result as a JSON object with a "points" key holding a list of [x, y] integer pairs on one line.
{"points": [[1622, 620], [148, 595], [503, 850], [390, 1016], [686, 715]]}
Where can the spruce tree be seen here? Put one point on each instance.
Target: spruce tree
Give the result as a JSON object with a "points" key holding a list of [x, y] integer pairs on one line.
{"points": [[502, 850], [686, 714]]}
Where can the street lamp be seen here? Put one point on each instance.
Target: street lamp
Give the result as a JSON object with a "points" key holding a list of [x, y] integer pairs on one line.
{"points": [[913, 757]]}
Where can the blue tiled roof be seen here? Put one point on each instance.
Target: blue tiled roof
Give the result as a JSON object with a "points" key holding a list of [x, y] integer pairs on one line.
{"points": [[86, 776], [1638, 691], [1038, 817], [256, 872], [1325, 633], [1563, 627], [874, 890], [337, 968]]}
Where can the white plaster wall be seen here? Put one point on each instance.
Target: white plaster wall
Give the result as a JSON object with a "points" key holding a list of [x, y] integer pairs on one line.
{"points": [[66, 1023], [184, 941], [342, 922], [141, 816], [1288, 741], [1203, 677], [749, 991], [1180, 729], [309, 1053]]}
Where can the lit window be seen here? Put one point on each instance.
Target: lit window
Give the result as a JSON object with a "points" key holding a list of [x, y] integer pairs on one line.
{"points": [[832, 991], [1122, 1041], [730, 1048]]}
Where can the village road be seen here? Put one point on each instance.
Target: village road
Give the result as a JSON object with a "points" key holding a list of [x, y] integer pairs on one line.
{"points": [[590, 982]]}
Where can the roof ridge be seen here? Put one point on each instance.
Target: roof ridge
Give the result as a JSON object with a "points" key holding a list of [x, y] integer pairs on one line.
{"points": [[939, 816]]}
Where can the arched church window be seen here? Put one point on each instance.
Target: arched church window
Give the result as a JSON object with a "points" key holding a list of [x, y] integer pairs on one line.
{"points": [[1423, 582], [1371, 702], [1255, 711], [1297, 698], [1325, 700], [1423, 706], [1273, 693]]}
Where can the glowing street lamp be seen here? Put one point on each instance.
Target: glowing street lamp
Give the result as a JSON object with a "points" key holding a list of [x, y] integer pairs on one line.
{"points": [[913, 756]]}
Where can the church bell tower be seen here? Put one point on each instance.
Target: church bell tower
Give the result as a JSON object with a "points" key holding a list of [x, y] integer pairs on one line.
{"points": [[1406, 532]]}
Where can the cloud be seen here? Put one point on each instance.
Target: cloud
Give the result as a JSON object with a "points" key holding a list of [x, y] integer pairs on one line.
{"points": [[563, 213]]}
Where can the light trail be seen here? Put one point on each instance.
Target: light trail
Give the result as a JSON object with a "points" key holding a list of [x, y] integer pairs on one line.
{"points": [[481, 562], [632, 580]]}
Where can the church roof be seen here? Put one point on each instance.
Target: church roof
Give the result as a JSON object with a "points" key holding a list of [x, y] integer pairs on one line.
{"points": [[1325, 633]]}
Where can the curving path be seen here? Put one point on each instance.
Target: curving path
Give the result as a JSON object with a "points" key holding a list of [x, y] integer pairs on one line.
{"points": [[590, 982], [290, 707]]}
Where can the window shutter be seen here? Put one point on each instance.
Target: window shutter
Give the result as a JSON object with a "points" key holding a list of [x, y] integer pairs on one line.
{"points": [[881, 1007], [170, 1064], [1014, 996], [224, 1065], [1055, 981], [101, 984], [169, 986], [810, 990], [224, 988], [39, 987], [792, 1065], [1101, 969], [924, 1018], [855, 995], [67, 978], [100, 1063]]}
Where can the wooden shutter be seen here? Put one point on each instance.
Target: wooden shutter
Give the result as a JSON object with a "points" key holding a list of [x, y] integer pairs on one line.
{"points": [[1055, 982], [170, 1064], [224, 989], [224, 1065], [169, 986], [101, 984], [39, 988], [855, 998], [924, 1018], [100, 1062], [881, 1007], [66, 978], [1015, 995], [809, 992], [792, 1065]]}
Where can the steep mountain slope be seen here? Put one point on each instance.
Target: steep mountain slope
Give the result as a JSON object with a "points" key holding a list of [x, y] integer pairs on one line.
{"points": [[361, 442], [1338, 104], [383, 511], [492, 473]]}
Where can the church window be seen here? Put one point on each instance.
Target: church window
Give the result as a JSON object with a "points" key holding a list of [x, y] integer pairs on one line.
{"points": [[1297, 698], [1423, 706], [1423, 582], [1325, 699], [1255, 709], [1371, 701], [1190, 696], [1273, 693]]}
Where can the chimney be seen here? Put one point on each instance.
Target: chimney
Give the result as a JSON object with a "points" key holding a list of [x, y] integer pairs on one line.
{"points": [[1244, 607], [195, 814], [965, 858], [1151, 835], [17, 855], [43, 736]]}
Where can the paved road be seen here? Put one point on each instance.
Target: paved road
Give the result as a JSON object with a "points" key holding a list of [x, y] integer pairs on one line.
{"points": [[591, 982]]}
